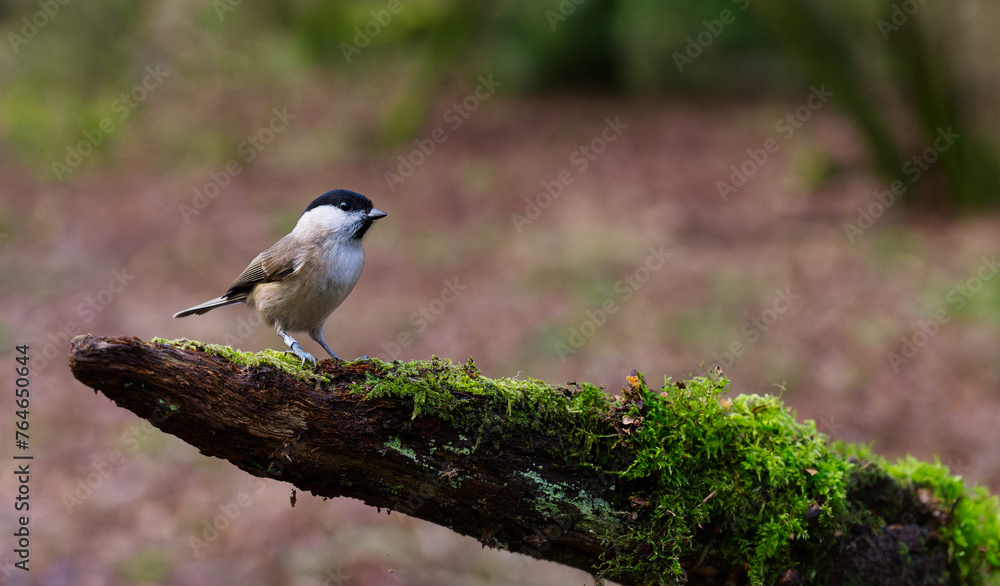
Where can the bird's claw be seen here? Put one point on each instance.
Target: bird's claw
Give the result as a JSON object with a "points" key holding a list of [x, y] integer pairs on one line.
{"points": [[305, 356]]}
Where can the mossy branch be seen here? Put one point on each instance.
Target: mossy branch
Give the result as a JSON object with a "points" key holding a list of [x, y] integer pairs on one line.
{"points": [[656, 485]]}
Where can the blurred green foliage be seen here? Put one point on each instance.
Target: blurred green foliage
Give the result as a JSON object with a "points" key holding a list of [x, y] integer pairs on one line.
{"points": [[895, 66], [62, 69], [147, 566]]}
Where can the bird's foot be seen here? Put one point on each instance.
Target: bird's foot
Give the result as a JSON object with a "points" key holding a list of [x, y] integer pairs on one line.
{"points": [[295, 347], [302, 354]]}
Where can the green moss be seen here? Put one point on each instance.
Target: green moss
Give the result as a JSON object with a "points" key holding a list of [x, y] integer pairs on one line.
{"points": [[458, 451], [393, 489], [283, 361], [744, 476], [476, 405], [397, 444], [693, 468], [744, 466], [741, 474], [973, 531], [169, 407]]}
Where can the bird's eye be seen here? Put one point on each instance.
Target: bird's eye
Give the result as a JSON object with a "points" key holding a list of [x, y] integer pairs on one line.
{"points": [[345, 206]]}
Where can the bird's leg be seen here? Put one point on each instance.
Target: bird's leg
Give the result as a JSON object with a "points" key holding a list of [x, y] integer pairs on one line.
{"points": [[296, 347], [317, 335]]}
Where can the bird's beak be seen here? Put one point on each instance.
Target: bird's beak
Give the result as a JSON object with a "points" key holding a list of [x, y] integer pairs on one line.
{"points": [[376, 214]]}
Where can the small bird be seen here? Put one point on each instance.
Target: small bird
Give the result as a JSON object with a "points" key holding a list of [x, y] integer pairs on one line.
{"points": [[299, 281]]}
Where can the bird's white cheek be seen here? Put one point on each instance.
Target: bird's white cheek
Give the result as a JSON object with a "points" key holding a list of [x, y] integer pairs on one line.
{"points": [[324, 219]]}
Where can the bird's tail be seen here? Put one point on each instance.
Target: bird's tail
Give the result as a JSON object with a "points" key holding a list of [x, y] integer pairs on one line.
{"points": [[210, 305]]}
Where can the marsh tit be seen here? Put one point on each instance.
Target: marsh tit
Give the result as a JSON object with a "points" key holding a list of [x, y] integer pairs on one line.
{"points": [[298, 282]]}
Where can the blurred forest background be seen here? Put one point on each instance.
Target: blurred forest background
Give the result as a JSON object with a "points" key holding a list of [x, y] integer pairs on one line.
{"points": [[800, 192]]}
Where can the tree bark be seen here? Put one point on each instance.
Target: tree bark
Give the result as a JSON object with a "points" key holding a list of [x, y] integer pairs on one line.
{"points": [[504, 488]]}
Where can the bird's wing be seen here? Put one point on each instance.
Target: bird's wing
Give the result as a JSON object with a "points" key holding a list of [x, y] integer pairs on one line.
{"points": [[274, 264]]}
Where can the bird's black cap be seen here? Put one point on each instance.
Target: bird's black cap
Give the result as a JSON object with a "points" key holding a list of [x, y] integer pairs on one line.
{"points": [[339, 196]]}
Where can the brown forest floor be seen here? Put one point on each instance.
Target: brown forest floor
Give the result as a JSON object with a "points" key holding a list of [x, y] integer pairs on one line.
{"points": [[842, 309]]}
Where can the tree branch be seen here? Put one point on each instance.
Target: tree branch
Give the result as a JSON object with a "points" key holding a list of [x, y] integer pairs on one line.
{"points": [[519, 465]]}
